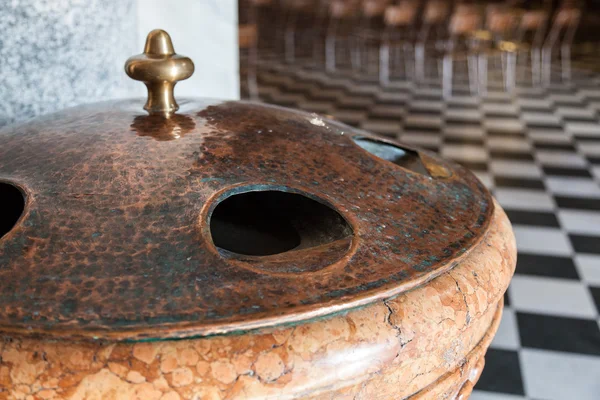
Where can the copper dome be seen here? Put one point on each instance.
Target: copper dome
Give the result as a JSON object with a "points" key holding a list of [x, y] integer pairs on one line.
{"points": [[224, 216]]}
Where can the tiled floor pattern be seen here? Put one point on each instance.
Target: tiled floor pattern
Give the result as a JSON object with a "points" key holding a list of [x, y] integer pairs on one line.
{"points": [[539, 152]]}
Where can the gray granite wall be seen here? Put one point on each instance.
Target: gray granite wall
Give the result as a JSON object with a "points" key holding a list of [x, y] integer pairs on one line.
{"points": [[58, 53]]}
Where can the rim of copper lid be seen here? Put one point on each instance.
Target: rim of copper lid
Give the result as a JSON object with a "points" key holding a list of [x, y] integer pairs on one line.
{"points": [[189, 330], [301, 314]]}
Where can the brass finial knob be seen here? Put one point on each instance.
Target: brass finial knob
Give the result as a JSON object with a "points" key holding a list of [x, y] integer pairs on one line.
{"points": [[160, 69]]}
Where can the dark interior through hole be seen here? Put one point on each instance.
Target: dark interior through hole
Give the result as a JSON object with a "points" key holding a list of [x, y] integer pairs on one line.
{"points": [[406, 158], [261, 223], [12, 205]]}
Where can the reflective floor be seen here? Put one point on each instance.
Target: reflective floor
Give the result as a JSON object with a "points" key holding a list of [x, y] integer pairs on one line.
{"points": [[538, 150]]}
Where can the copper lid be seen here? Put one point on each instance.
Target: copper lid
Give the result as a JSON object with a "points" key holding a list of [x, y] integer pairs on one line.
{"points": [[222, 217]]}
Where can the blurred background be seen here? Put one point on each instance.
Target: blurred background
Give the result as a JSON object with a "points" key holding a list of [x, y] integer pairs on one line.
{"points": [[420, 41], [509, 89]]}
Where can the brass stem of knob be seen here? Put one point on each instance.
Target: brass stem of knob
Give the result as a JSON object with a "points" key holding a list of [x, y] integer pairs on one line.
{"points": [[161, 99], [160, 69]]}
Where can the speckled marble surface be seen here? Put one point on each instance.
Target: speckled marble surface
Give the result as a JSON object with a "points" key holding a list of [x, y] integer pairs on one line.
{"points": [[58, 53]]}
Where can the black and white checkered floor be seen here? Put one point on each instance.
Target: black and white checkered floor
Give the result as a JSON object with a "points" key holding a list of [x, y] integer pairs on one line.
{"points": [[539, 152]]}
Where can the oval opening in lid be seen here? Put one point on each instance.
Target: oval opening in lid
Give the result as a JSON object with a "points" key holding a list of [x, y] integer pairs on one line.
{"points": [[269, 222], [401, 156]]}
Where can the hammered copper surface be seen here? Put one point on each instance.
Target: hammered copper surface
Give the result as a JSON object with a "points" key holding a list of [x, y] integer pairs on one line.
{"points": [[115, 241]]}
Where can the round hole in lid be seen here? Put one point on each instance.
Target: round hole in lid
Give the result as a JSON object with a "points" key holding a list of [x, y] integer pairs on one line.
{"points": [[13, 205], [269, 222]]}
